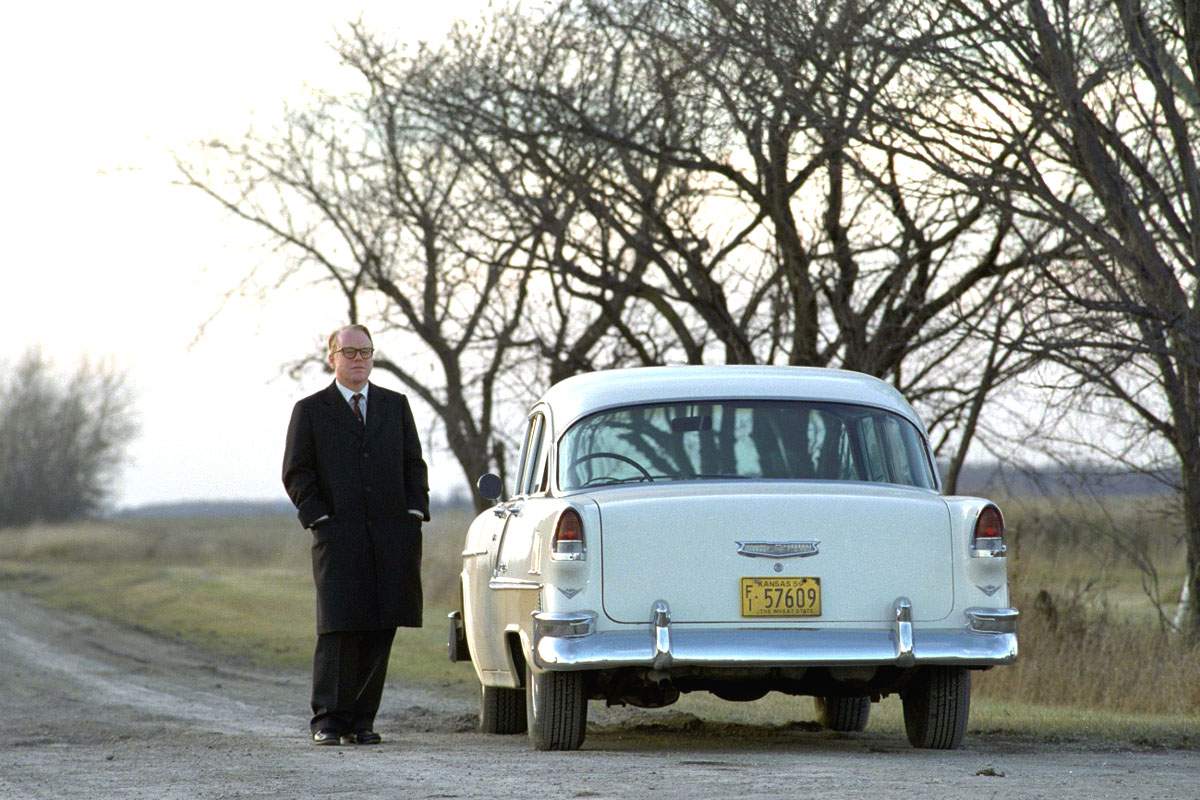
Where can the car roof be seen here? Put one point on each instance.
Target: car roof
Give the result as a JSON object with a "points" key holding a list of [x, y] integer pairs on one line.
{"points": [[580, 395]]}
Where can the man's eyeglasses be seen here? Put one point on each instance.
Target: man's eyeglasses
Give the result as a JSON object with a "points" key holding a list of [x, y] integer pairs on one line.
{"points": [[356, 352]]}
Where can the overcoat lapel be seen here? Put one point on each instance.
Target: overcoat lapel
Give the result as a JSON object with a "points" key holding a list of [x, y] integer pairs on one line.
{"points": [[341, 410], [377, 409]]}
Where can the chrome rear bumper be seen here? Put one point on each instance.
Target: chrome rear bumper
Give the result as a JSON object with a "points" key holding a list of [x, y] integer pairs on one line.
{"points": [[569, 641]]}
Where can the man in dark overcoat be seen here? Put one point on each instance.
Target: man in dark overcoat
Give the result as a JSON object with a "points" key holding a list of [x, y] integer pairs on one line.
{"points": [[353, 468]]}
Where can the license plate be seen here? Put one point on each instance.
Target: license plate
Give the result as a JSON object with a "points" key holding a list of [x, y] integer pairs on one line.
{"points": [[781, 597]]}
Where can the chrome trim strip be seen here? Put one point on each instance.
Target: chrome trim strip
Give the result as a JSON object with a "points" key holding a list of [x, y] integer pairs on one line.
{"points": [[562, 624], [513, 583], [660, 618], [772, 647], [470, 553], [799, 548], [904, 632], [994, 549], [561, 616], [993, 620]]}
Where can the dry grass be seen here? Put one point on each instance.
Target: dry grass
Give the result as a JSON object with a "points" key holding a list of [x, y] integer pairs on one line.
{"points": [[1087, 579], [1086, 660], [1125, 554], [267, 542]]}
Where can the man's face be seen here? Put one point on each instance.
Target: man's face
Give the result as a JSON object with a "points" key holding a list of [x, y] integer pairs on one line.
{"points": [[351, 372]]}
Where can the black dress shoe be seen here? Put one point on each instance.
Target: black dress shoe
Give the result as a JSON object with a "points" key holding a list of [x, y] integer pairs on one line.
{"points": [[361, 737], [326, 736]]}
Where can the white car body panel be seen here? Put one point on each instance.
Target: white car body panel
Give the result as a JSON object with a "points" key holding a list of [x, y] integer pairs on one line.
{"points": [[874, 544]]}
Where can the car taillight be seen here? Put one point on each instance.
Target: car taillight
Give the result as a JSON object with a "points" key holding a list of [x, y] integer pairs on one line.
{"points": [[989, 533], [568, 542]]}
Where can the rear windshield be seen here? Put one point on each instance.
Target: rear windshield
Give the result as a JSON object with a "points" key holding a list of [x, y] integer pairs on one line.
{"points": [[725, 439]]}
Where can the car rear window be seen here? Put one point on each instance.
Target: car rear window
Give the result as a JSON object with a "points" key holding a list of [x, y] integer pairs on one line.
{"points": [[727, 439]]}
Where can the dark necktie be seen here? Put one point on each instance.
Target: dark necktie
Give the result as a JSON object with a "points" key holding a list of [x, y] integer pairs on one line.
{"points": [[354, 401]]}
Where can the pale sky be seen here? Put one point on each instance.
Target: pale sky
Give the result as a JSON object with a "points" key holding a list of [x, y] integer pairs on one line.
{"points": [[104, 257]]}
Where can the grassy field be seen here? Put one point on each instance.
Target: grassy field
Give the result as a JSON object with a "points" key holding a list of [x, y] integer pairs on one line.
{"points": [[1095, 660], [1095, 585], [238, 586]]}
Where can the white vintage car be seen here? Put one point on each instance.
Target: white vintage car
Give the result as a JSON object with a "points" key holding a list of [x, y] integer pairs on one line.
{"points": [[736, 530]]}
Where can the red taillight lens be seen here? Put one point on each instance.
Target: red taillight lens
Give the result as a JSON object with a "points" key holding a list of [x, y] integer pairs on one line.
{"points": [[989, 534], [990, 524], [568, 539]]}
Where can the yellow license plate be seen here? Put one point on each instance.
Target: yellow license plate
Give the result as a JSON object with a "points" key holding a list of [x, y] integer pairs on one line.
{"points": [[781, 597]]}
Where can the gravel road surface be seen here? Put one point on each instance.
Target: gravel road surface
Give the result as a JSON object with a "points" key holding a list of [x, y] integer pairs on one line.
{"points": [[99, 711]]}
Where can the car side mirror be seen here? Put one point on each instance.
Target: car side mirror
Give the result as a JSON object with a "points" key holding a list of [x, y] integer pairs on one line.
{"points": [[489, 486]]}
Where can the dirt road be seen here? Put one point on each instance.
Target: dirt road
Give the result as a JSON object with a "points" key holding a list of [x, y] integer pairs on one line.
{"points": [[97, 711]]}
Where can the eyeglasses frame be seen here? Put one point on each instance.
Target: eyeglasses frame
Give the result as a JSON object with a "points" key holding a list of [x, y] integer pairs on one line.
{"points": [[356, 353]]}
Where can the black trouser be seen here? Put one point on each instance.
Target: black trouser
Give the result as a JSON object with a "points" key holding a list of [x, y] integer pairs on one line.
{"points": [[348, 672]]}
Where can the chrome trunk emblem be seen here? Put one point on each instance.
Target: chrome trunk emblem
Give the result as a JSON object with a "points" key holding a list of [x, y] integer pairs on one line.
{"points": [[989, 590], [569, 592], [797, 549]]}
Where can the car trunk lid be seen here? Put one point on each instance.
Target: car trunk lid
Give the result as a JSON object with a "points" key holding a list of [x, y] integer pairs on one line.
{"points": [[680, 543]]}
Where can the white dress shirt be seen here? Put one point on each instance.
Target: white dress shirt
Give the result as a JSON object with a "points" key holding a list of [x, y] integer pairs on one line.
{"points": [[349, 394]]}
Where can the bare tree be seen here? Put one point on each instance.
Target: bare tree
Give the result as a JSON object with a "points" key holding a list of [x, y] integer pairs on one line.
{"points": [[643, 182], [1097, 106], [62, 439], [595, 202], [356, 189], [743, 192]]}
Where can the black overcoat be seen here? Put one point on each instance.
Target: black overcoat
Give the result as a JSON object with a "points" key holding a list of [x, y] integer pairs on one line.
{"points": [[367, 556]]}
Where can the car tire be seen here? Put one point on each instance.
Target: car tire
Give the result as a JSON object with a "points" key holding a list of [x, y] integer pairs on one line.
{"points": [[556, 708], [846, 714], [501, 710], [936, 706]]}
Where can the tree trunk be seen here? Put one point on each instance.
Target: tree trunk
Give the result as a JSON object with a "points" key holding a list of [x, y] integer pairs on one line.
{"points": [[1189, 618], [1185, 602], [471, 453]]}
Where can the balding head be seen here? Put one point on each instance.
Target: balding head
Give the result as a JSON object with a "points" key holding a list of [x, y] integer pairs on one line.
{"points": [[351, 370]]}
